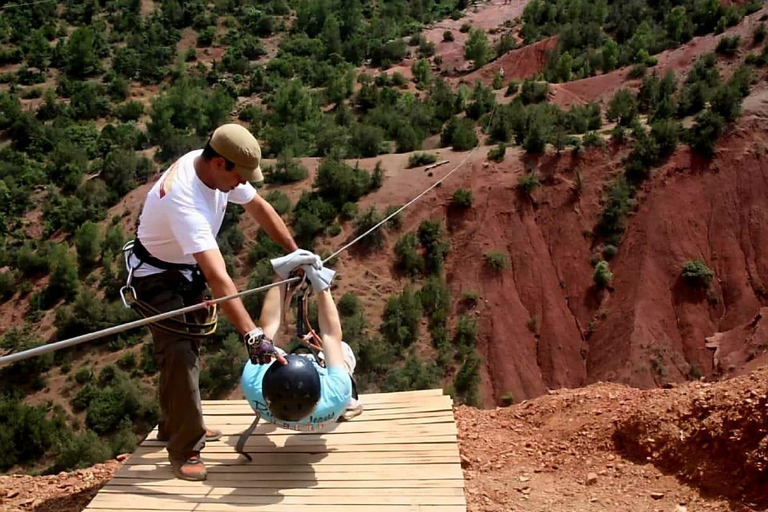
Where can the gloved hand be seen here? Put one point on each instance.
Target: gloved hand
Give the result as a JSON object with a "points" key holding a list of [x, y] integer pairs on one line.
{"points": [[261, 350], [284, 265], [319, 278]]}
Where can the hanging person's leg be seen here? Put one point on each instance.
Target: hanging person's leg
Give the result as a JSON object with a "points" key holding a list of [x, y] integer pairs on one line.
{"points": [[355, 406]]}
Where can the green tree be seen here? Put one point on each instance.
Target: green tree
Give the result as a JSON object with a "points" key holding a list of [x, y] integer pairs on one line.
{"points": [[88, 244], [622, 108], [697, 273], [422, 72], [477, 48], [602, 275], [401, 317], [80, 53]]}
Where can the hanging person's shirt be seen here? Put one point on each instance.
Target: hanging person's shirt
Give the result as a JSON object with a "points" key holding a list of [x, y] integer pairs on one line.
{"points": [[182, 216], [335, 393]]}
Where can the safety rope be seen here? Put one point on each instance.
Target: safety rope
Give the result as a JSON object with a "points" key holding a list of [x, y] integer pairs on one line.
{"points": [[50, 347]]}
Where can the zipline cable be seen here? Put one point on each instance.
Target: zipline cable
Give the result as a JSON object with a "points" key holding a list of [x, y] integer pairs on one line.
{"points": [[50, 347]]}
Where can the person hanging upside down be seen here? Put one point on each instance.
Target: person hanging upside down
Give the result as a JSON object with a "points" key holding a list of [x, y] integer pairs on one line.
{"points": [[309, 391]]}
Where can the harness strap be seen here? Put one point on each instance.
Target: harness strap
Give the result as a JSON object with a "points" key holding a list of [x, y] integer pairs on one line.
{"points": [[239, 448], [143, 254], [170, 325]]}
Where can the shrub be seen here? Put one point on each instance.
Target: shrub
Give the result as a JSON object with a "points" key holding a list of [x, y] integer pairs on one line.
{"points": [[528, 183], [758, 34], [349, 304], [431, 238], [616, 206], [704, 134], [348, 211], [83, 375], [396, 222], [465, 27], [697, 273], [466, 332], [129, 111], [470, 298], [533, 92], [26, 434], [80, 451], [477, 48], [498, 152], [435, 297], [286, 170], [414, 374], [279, 201], [221, 371], [407, 257], [88, 244], [462, 198], [593, 139], [459, 133], [127, 361], [507, 399], [420, 159], [497, 260], [367, 220], [400, 325], [512, 88], [728, 45], [602, 275], [622, 108], [467, 380], [447, 36]]}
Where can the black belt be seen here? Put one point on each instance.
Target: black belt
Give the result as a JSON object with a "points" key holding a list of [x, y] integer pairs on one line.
{"points": [[143, 254]]}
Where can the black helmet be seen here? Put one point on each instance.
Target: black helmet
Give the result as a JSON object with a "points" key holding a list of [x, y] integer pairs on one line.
{"points": [[291, 390]]}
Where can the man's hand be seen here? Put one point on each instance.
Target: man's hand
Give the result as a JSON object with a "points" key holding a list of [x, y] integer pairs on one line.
{"points": [[299, 258], [261, 350]]}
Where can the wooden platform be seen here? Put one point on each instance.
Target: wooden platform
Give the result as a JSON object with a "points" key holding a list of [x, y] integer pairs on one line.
{"points": [[401, 454]]}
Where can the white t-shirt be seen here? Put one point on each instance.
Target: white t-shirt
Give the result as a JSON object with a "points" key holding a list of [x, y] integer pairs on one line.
{"points": [[182, 216]]}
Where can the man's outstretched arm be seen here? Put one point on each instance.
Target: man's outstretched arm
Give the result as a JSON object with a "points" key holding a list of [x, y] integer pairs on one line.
{"points": [[215, 270], [263, 213]]}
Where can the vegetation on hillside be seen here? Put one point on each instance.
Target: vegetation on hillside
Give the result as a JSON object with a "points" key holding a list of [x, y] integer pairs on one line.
{"points": [[96, 97]]}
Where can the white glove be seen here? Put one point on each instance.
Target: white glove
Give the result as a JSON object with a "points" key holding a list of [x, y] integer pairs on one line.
{"points": [[319, 278], [284, 265]]}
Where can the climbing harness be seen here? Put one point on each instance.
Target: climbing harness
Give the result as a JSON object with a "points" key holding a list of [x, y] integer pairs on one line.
{"points": [[173, 325]]}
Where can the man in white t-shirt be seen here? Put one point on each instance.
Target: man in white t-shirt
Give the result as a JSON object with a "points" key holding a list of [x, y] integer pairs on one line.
{"points": [[175, 260]]}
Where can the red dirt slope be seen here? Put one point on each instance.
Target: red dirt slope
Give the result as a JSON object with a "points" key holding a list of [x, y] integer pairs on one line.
{"points": [[609, 447], [518, 64], [602, 87]]}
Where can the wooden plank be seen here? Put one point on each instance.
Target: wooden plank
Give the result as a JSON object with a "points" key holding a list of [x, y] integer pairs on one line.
{"points": [[323, 459], [397, 396], [304, 472], [443, 403], [348, 426], [315, 440], [148, 488], [215, 481], [401, 454], [146, 454], [344, 429], [172, 501], [225, 473], [193, 507], [412, 417], [243, 466], [218, 447]]}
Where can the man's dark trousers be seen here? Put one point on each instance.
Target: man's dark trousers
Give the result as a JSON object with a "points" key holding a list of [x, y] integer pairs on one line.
{"points": [[177, 356]]}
